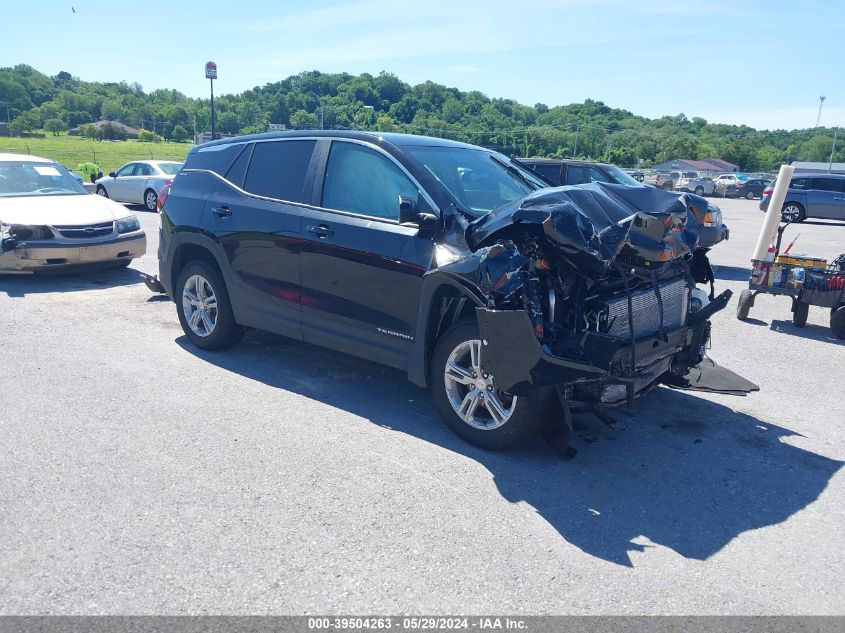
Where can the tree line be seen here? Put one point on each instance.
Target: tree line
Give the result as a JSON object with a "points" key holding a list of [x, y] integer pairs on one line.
{"points": [[34, 101]]}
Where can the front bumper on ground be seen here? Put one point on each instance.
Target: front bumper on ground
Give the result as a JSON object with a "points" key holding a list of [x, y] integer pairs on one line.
{"points": [[28, 257]]}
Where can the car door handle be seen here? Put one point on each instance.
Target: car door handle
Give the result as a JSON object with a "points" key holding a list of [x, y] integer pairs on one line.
{"points": [[320, 230], [840, 199], [221, 212]]}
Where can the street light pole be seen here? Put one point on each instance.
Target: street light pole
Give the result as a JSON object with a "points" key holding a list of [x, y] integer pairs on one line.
{"points": [[819, 117], [211, 81], [832, 149]]}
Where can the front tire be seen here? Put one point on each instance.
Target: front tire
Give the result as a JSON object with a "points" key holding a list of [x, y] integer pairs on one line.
{"points": [[699, 191], [837, 321], [204, 309], [744, 305], [469, 401], [800, 313], [793, 212], [101, 191]]}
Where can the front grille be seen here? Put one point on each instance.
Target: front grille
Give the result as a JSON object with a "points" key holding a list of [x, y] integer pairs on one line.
{"points": [[88, 231], [675, 297]]}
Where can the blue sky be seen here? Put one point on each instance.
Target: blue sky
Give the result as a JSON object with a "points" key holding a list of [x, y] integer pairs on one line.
{"points": [[763, 63]]}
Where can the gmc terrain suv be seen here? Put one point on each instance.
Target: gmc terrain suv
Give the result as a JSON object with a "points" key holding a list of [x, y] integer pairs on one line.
{"points": [[512, 301]]}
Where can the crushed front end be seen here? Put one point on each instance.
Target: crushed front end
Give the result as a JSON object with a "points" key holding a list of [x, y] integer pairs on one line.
{"points": [[592, 289]]}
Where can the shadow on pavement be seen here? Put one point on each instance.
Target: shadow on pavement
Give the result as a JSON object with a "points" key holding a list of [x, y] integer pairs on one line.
{"points": [[684, 472], [810, 331], [88, 279], [731, 273]]}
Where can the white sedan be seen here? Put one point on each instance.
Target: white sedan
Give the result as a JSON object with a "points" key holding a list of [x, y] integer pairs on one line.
{"points": [[49, 221], [139, 182]]}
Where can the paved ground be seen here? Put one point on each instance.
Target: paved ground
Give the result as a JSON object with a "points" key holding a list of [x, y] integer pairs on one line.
{"points": [[139, 475]]}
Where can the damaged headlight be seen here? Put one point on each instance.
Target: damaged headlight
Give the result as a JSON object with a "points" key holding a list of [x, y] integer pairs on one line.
{"points": [[127, 225], [21, 233], [713, 217]]}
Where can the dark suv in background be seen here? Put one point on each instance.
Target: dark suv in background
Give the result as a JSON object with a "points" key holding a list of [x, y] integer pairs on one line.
{"points": [[562, 171], [512, 301]]}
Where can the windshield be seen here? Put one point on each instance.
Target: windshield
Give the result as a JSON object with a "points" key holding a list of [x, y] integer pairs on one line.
{"points": [[478, 179], [19, 178], [171, 169], [620, 177]]}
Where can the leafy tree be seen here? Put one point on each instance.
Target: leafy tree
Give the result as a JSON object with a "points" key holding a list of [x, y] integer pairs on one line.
{"points": [[302, 120], [89, 130], [24, 123], [147, 136], [179, 133], [54, 125], [817, 148]]}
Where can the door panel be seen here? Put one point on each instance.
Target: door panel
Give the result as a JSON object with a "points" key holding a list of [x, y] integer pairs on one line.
{"points": [[362, 276], [261, 241], [821, 194]]}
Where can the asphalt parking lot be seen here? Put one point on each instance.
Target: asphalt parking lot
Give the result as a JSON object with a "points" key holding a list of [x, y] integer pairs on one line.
{"points": [[139, 475]]}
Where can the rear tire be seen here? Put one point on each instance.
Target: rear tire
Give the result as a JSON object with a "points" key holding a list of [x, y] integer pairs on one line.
{"points": [[837, 322], [744, 305], [525, 416], [800, 313], [219, 330], [150, 200]]}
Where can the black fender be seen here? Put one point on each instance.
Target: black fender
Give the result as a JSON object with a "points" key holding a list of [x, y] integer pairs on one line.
{"points": [[433, 285], [178, 239]]}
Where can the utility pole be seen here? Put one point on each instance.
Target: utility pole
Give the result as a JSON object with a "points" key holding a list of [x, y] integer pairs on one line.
{"points": [[832, 149], [575, 151], [821, 103], [211, 75]]}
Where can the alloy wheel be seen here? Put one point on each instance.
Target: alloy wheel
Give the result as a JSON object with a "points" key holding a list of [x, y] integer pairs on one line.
{"points": [[791, 213], [150, 200], [199, 305], [473, 393]]}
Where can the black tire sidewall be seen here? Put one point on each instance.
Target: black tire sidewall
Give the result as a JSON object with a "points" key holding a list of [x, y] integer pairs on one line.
{"points": [[837, 322], [799, 316], [744, 304], [226, 332], [531, 411], [104, 194]]}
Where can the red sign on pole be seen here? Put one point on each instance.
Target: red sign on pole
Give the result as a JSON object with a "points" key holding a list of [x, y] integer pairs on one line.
{"points": [[210, 70]]}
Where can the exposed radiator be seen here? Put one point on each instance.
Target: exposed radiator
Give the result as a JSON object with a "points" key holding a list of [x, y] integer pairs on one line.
{"points": [[675, 297]]}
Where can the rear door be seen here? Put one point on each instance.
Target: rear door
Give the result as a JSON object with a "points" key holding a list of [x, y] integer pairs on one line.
{"points": [[255, 214], [361, 269], [822, 197], [136, 184]]}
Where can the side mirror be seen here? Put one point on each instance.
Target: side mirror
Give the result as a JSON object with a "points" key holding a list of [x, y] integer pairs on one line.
{"points": [[407, 209], [112, 175]]}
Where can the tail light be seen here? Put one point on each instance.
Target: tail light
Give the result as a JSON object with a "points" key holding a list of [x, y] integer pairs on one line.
{"points": [[162, 195], [768, 191]]}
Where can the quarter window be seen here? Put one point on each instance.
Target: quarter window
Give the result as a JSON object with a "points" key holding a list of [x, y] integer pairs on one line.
{"points": [[278, 169], [361, 180]]}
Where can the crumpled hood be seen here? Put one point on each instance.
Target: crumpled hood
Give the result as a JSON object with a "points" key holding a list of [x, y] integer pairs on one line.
{"points": [[60, 210], [591, 224]]}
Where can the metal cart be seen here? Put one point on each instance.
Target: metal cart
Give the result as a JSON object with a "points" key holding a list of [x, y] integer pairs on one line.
{"points": [[806, 286]]}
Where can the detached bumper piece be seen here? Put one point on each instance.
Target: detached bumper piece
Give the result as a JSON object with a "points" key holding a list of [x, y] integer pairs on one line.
{"points": [[515, 357], [152, 282]]}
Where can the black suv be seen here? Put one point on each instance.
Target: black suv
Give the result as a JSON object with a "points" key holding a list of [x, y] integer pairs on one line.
{"points": [[510, 300], [565, 171]]}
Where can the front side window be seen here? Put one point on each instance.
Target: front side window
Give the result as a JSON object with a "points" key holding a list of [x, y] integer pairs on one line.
{"points": [[577, 175], [278, 169], [126, 170], [36, 179], [361, 180]]}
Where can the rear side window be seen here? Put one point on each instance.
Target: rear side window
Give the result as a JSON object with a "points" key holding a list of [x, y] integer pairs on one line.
{"points": [[278, 169], [361, 180], [577, 175], [217, 158], [827, 184], [237, 172], [552, 172]]}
